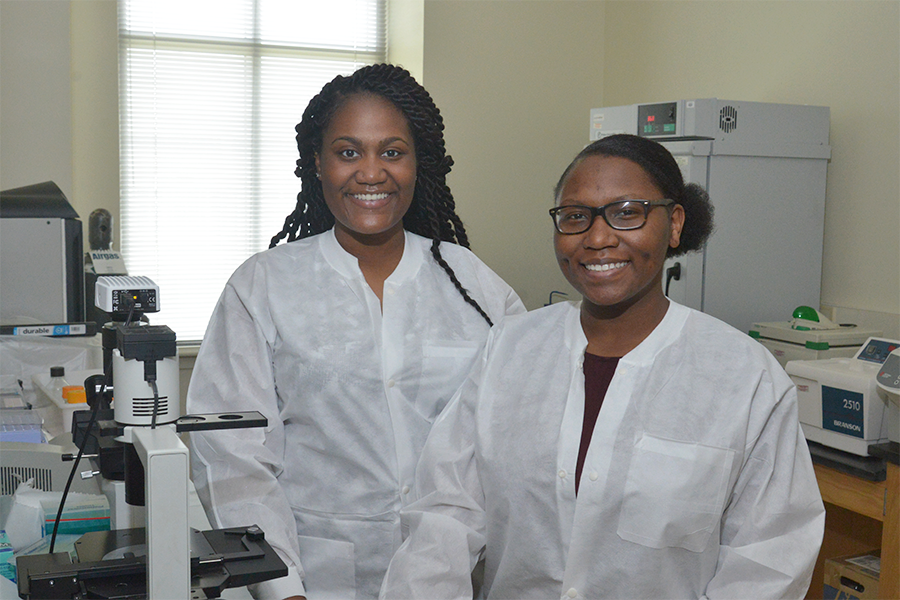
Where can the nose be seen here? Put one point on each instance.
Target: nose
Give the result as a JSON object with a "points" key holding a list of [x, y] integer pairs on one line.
{"points": [[600, 235], [370, 171]]}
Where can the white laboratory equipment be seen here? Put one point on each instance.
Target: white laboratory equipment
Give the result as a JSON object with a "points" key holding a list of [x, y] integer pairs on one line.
{"points": [[764, 166], [842, 402], [888, 379], [809, 335]]}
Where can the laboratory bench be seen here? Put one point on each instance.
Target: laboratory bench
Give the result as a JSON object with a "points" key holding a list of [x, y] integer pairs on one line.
{"points": [[861, 514]]}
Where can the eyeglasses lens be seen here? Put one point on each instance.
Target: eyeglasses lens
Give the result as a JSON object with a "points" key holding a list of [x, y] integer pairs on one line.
{"points": [[626, 214], [573, 219]]}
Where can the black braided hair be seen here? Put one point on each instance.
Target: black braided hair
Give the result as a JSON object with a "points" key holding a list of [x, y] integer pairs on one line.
{"points": [[660, 165], [432, 213]]}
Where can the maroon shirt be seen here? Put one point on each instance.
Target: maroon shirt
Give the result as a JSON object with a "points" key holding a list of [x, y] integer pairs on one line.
{"points": [[598, 372]]}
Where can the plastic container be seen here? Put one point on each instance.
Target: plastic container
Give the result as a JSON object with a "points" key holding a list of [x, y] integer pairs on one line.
{"points": [[74, 394], [20, 425], [55, 409], [57, 381]]}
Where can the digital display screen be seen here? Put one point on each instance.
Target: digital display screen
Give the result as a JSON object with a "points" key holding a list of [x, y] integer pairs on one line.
{"points": [[657, 119]]}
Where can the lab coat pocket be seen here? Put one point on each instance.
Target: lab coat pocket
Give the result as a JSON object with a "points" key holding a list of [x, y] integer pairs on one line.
{"points": [[329, 567], [445, 365], [674, 494]]}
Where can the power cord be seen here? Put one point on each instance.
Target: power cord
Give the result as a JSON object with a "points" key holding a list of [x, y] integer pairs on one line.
{"points": [[94, 410]]}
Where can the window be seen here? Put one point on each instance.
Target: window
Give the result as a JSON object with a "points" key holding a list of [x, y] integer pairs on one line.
{"points": [[209, 97]]}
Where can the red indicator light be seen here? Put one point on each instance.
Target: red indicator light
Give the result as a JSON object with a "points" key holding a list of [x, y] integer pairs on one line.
{"points": [[651, 118]]}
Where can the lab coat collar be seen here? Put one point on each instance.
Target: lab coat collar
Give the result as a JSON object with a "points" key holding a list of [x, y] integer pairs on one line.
{"points": [[575, 337], [663, 335], [347, 265]]}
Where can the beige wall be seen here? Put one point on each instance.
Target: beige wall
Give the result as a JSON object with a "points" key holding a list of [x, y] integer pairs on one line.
{"points": [[515, 80], [843, 54], [35, 94], [95, 110], [406, 35]]}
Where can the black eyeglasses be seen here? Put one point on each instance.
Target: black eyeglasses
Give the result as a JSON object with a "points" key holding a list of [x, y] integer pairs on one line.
{"points": [[622, 215]]}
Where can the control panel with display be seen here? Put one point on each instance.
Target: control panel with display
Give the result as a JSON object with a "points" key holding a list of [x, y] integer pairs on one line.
{"points": [[888, 377], [657, 119]]}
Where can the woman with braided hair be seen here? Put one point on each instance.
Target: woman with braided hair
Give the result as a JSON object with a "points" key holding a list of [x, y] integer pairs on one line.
{"points": [[431, 213], [350, 339]]}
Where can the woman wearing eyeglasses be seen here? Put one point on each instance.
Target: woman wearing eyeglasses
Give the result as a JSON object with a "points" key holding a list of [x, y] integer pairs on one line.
{"points": [[624, 446]]}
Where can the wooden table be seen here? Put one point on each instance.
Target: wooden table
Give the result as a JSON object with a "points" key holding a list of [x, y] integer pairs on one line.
{"points": [[875, 500]]}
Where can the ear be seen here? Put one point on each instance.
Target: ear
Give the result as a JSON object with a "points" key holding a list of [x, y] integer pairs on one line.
{"points": [[676, 224], [318, 166]]}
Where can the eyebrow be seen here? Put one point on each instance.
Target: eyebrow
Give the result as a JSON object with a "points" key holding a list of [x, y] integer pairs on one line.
{"points": [[358, 142]]}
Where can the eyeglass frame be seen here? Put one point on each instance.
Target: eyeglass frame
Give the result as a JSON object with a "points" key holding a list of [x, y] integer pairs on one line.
{"points": [[601, 211]]}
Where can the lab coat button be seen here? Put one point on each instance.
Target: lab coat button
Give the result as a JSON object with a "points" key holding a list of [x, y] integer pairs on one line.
{"points": [[562, 473], [593, 476], [405, 489], [572, 593], [390, 383]]}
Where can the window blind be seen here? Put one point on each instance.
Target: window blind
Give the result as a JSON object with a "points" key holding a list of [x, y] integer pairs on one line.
{"points": [[209, 95]]}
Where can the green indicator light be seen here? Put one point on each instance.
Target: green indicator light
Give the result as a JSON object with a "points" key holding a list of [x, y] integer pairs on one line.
{"points": [[669, 127], [648, 128]]}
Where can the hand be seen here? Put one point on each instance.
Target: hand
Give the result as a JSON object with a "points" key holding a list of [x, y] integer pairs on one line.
{"points": [[296, 598]]}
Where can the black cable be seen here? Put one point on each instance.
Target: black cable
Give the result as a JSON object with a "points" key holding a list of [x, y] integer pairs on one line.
{"points": [[62, 500], [155, 403], [94, 410]]}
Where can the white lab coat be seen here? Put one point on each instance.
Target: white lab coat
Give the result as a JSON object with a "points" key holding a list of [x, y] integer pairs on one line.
{"points": [[350, 390], [697, 483]]}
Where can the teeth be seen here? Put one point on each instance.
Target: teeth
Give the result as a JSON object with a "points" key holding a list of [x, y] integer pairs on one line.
{"points": [[370, 197], [606, 267]]}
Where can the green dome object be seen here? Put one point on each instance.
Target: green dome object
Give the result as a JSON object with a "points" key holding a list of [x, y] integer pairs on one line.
{"points": [[806, 313]]}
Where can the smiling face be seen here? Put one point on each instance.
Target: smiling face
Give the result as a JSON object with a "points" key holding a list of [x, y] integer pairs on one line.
{"points": [[616, 270], [367, 165]]}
